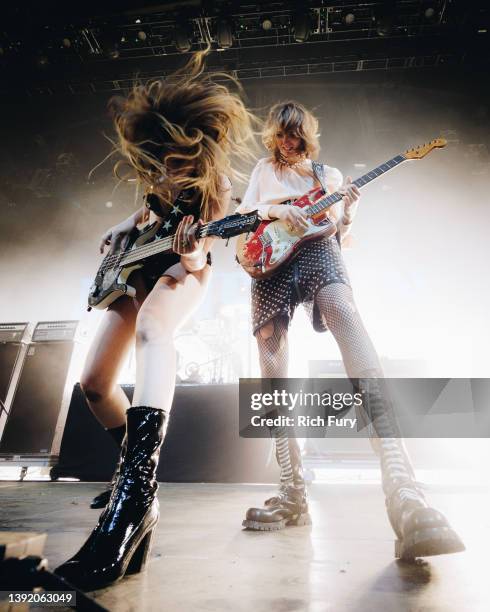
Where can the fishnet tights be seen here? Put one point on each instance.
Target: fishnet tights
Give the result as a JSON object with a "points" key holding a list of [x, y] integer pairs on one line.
{"points": [[336, 305], [272, 340]]}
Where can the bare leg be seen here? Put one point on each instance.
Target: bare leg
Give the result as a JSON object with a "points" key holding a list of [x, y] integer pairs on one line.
{"points": [[120, 542], [106, 356], [166, 308]]}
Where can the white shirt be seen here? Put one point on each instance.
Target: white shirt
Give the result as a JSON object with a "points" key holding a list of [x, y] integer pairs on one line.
{"points": [[269, 185]]}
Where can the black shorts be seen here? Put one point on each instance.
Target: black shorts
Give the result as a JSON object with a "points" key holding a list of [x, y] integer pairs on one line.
{"points": [[157, 267], [318, 264]]}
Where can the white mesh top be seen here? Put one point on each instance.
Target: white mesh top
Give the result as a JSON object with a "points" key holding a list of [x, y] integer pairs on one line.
{"points": [[269, 186]]}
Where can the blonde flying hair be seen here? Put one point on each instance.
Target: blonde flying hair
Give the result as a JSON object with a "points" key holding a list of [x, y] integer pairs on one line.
{"points": [[188, 122], [291, 117]]}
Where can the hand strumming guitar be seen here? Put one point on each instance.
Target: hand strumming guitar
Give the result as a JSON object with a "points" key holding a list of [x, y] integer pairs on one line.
{"points": [[294, 218]]}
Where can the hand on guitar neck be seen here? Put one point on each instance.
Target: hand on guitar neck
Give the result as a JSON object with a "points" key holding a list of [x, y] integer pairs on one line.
{"points": [[351, 197]]}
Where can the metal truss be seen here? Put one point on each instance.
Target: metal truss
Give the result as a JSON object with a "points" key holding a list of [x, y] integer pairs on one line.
{"points": [[279, 71]]}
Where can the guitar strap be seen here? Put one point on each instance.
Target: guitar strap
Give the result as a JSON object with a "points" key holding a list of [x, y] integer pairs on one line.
{"points": [[319, 172]]}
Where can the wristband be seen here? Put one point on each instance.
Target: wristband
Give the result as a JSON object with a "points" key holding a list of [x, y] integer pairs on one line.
{"points": [[195, 257]]}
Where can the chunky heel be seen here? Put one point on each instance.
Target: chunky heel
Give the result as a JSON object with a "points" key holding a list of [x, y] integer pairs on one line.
{"points": [[141, 554], [121, 541]]}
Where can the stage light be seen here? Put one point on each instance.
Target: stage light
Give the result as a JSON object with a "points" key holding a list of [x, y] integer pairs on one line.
{"points": [[348, 17], [113, 52], [430, 10], [110, 41], [142, 35], [182, 39], [266, 23], [42, 60], [137, 20], [384, 17], [301, 23], [384, 25], [224, 34]]}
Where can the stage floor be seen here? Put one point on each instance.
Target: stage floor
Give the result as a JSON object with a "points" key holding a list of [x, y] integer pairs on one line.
{"points": [[202, 560]]}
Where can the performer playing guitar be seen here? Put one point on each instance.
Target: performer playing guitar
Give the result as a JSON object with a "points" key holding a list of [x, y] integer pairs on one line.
{"points": [[177, 135], [289, 267]]}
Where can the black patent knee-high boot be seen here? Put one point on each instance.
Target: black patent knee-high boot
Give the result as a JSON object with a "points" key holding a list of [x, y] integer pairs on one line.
{"points": [[289, 507], [421, 530], [102, 499], [120, 542]]}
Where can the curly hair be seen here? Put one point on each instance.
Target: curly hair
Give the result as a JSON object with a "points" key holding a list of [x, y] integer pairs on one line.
{"points": [[187, 125], [294, 118]]}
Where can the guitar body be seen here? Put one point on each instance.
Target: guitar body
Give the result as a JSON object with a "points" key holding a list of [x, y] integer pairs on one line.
{"points": [[111, 278], [263, 252], [271, 245]]}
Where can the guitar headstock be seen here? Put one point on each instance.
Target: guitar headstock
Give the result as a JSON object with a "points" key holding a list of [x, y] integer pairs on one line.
{"points": [[233, 225], [422, 151]]}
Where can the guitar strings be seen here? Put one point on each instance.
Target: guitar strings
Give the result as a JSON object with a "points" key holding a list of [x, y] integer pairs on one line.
{"points": [[140, 252], [155, 247], [145, 250]]}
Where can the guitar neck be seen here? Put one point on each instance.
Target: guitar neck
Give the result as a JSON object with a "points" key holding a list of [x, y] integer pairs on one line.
{"points": [[144, 251], [232, 225], [157, 247], [324, 203]]}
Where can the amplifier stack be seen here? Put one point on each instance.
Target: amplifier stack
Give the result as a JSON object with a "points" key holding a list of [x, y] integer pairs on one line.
{"points": [[35, 388]]}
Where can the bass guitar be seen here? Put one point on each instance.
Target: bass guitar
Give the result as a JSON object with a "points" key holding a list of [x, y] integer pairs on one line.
{"points": [[112, 276], [272, 244]]}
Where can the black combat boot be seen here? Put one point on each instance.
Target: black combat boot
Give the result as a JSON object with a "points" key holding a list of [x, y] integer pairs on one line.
{"points": [[120, 543], [421, 530], [289, 507]]}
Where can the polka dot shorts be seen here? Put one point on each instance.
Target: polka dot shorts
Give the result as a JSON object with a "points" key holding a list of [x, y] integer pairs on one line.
{"points": [[318, 264]]}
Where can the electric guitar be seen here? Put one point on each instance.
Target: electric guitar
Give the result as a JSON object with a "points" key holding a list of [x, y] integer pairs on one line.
{"points": [[112, 276], [272, 244]]}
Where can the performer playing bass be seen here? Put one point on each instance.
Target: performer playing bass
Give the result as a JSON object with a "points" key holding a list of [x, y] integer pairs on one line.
{"points": [[317, 278], [177, 135]]}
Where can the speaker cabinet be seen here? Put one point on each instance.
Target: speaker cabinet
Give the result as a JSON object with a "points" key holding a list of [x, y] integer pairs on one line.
{"points": [[31, 424], [9, 354]]}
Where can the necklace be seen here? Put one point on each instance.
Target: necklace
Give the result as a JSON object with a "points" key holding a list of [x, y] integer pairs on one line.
{"points": [[284, 162]]}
